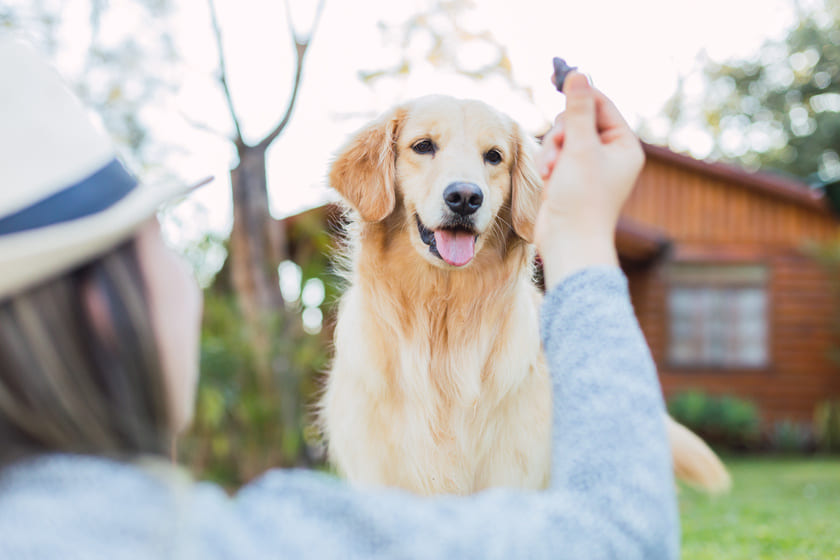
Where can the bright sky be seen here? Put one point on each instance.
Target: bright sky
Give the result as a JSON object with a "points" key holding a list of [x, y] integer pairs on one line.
{"points": [[634, 51]]}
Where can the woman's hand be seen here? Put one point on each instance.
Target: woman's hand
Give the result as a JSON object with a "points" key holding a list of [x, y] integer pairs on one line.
{"points": [[589, 161]]}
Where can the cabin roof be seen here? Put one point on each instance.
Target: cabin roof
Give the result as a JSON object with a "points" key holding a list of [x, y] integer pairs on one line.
{"points": [[639, 242], [770, 184]]}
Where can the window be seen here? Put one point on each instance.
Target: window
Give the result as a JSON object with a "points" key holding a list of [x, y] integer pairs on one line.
{"points": [[717, 316]]}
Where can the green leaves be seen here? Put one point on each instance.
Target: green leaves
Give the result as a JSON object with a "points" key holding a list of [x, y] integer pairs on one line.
{"points": [[827, 425], [245, 424], [723, 420], [769, 111]]}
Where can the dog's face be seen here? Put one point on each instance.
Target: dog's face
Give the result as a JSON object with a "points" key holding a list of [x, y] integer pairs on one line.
{"points": [[461, 170]]}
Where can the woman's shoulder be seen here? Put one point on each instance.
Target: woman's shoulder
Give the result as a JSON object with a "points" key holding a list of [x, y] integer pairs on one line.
{"points": [[73, 505], [87, 481], [80, 506]]}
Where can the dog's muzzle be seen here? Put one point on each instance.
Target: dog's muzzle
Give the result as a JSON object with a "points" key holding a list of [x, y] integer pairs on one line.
{"points": [[454, 243]]}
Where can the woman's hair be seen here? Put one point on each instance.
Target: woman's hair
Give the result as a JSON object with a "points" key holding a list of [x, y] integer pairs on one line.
{"points": [[79, 367]]}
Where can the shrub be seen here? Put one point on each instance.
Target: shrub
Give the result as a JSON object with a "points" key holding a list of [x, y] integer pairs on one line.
{"points": [[788, 436], [738, 418], [723, 420], [827, 425]]}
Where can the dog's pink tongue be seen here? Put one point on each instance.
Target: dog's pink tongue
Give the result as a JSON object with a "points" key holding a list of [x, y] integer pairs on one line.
{"points": [[456, 247]]}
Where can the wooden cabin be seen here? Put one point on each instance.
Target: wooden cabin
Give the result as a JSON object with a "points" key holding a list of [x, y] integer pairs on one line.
{"points": [[724, 285], [721, 279]]}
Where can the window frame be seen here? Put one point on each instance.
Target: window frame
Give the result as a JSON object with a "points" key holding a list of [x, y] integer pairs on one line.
{"points": [[672, 280]]}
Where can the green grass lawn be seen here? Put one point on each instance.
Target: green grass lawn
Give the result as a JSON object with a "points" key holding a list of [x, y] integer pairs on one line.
{"points": [[779, 508]]}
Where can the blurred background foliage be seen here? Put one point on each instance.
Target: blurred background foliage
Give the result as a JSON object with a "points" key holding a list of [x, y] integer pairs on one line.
{"points": [[724, 421], [735, 425], [246, 422], [778, 110], [239, 428], [827, 425], [444, 30], [120, 76]]}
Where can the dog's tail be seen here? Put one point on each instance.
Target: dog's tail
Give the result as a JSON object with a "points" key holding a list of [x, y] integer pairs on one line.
{"points": [[694, 462]]}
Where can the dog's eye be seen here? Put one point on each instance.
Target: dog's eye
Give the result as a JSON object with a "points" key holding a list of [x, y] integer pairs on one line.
{"points": [[493, 157], [424, 147]]}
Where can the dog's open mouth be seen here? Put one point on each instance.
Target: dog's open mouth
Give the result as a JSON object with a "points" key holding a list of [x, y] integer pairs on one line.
{"points": [[454, 244]]}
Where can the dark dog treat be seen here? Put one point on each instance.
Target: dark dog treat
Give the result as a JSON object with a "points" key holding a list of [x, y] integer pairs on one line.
{"points": [[561, 70]]}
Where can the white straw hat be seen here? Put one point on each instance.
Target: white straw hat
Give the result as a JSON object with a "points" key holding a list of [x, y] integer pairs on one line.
{"points": [[64, 197]]}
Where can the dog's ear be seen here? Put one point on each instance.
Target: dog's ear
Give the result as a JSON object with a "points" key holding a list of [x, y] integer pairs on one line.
{"points": [[364, 172], [526, 186]]}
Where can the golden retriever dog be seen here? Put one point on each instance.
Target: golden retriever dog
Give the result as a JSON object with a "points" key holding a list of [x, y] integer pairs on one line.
{"points": [[438, 383]]}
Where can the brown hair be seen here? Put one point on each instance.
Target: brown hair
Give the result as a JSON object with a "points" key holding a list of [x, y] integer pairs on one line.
{"points": [[76, 380]]}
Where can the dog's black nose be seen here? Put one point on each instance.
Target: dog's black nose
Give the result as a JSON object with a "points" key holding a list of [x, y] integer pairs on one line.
{"points": [[463, 198]]}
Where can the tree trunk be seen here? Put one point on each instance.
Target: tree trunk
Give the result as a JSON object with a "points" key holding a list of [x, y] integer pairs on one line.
{"points": [[257, 246], [255, 251], [256, 242]]}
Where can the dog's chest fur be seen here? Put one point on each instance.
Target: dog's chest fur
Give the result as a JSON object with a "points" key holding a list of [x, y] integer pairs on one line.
{"points": [[438, 383]]}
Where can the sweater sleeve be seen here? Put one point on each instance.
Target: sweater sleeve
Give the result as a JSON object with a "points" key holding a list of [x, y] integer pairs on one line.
{"points": [[612, 493]]}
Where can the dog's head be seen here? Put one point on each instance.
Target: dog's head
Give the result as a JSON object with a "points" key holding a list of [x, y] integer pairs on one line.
{"points": [[461, 170]]}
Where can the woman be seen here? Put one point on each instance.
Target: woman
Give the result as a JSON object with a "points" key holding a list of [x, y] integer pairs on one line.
{"points": [[99, 331]]}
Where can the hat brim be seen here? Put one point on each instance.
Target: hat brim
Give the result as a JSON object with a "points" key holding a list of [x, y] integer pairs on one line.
{"points": [[31, 257]]}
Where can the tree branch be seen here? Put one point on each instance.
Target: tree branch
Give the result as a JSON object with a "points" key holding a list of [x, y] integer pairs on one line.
{"points": [[223, 72], [289, 22], [301, 46], [202, 126]]}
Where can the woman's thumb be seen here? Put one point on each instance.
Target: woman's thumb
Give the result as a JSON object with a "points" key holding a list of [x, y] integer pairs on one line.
{"points": [[579, 117]]}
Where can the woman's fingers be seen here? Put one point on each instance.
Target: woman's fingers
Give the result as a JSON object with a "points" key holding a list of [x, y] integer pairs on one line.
{"points": [[580, 116], [552, 143], [611, 124]]}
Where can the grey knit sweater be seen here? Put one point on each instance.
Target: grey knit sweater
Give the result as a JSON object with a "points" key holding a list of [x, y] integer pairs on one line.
{"points": [[612, 492]]}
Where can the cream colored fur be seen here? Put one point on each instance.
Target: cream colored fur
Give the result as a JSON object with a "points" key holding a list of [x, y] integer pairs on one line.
{"points": [[439, 384]]}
